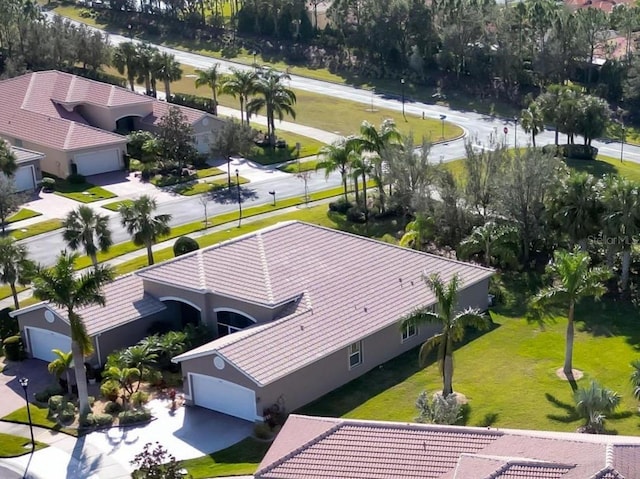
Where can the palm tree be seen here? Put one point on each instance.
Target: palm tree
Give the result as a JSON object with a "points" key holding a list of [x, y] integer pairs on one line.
{"points": [[635, 378], [493, 241], [573, 280], [145, 53], [210, 78], [360, 167], [8, 164], [61, 365], [167, 69], [86, 229], [125, 377], [276, 99], [621, 200], [62, 287], [142, 357], [241, 84], [453, 325], [593, 403], [418, 232], [532, 120], [142, 225], [15, 266], [125, 57], [337, 157]]}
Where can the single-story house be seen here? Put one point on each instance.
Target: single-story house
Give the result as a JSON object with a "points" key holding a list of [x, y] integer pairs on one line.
{"points": [[29, 174], [318, 448], [298, 309], [72, 120]]}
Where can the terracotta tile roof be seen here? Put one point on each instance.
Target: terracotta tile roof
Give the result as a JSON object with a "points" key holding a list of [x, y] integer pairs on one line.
{"points": [[125, 302], [161, 108], [323, 448], [346, 295], [31, 112]]}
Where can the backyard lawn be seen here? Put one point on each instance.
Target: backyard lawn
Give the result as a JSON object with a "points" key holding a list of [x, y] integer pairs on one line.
{"points": [[241, 458]]}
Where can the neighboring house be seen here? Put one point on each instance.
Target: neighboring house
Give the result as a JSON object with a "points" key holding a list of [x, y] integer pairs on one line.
{"points": [[28, 175], [72, 120], [317, 448], [310, 309]]}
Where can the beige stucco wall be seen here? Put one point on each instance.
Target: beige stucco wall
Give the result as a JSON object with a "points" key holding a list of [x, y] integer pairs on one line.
{"points": [[105, 118]]}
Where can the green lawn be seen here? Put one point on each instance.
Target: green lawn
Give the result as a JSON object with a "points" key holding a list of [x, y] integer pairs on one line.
{"points": [[12, 446], [5, 290], [190, 189], [508, 374], [115, 206], [299, 167], [38, 417], [210, 171], [36, 229], [22, 214], [84, 192], [269, 156], [241, 458]]}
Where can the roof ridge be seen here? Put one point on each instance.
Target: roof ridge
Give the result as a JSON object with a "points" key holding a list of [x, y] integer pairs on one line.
{"points": [[28, 92], [112, 92], [68, 98], [606, 470], [426, 427], [70, 132], [265, 267], [300, 448], [608, 455], [526, 462], [201, 274]]}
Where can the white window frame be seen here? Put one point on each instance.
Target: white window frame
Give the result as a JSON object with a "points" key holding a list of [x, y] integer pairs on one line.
{"points": [[406, 333], [351, 353]]}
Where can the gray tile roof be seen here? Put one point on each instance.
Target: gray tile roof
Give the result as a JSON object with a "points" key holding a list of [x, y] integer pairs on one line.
{"points": [[323, 448], [346, 287], [22, 155], [125, 302]]}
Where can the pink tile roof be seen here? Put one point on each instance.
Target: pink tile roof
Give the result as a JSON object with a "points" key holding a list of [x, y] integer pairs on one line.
{"points": [[323, 448], [341, 295], [161, 108], [605, 5]]}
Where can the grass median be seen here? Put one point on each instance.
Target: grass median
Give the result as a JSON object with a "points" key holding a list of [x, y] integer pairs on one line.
{"points": [[13, 446], [22, 214], [36, 229]]}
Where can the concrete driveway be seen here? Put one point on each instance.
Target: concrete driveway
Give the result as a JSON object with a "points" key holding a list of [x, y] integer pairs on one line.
{"points": [[187, 433], [11, 393]]}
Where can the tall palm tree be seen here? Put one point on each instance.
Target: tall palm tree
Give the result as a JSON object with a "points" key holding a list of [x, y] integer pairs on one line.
{"points": [[453, 325], [125, 58], [15, 266], [145, 53], [532, 120], [142, 225], [573, 280], [62, 364], [167, 69], [276, 99], [211, 78], [62, 287], [8, 164], [360, 168], [86, 229], [241, 84], [621, 200], [493, 241], [336, 157]]}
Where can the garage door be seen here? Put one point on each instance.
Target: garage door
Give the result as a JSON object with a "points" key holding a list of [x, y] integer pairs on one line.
{"points": [[41, 343], [25, 178], [98, 162], [223, 396]]}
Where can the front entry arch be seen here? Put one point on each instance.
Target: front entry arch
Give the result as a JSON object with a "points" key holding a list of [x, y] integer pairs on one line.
{"points": [[181, 311]]}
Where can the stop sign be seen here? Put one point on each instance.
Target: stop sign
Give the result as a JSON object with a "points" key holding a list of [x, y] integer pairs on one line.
{"points": [[506, 130]]}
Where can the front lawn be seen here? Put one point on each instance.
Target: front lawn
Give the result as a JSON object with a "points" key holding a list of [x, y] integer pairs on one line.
{"points": [[299, 166], [36, 229], [39, 417], [205, 187], [210, 171], [83, 192], [22, 214], [241, 458], [509, 373], [12, 446]]}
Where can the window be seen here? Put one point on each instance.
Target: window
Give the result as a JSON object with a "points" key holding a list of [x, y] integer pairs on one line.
{"points": [[355, 354], [230, 322], [409, 331]]}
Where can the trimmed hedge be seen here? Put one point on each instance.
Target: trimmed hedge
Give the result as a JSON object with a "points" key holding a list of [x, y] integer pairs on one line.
{"points": [[184, 245], [13, 349], [193, 101], [132, 417], [576, 151], [96, 420]]}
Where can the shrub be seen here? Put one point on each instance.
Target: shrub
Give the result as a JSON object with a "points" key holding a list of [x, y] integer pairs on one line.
{"points": [[438, 409], [173, 380], [110, 390], [67, 414], [44, 395], [13, 349], [184, 245], [48, 184], [112, 407], [55, 403], [153, 377], [193, 101], [76, 179], [96, 420], [579, 152], [92, 401], [340, 206], [261, 430], [139, 398], [197, 335], [355, 214], [8, 325], [131, 417]]}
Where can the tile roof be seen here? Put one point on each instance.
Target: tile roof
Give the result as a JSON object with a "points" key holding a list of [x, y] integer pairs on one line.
{"points": [[323, 448], [161, 108], [604, 5], [126, 301], [23, 155], [328, 273]]}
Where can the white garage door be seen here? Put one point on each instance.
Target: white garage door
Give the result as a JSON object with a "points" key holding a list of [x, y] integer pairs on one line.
{"points": [[98, 162], [223, 396], [42, 342], [25, 178]]}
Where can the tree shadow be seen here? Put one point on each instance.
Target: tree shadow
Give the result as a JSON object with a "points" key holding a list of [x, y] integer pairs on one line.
{"points": [[227, 196], [570, 415], [609, 317], [514, 290], [489, 419]]}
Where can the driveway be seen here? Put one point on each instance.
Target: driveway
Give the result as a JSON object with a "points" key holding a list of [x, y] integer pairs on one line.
{"points": [[11, 393], [187, 433]]}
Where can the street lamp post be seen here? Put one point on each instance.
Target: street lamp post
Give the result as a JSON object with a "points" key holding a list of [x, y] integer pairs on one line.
{"points": [[273, 193], [402, 87], [515, 132], [442, 118], [24, 382], [255, 63], [239, 199], [622, 146]]}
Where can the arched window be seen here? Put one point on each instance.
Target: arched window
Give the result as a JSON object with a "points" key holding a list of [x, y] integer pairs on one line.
{"points": [[232, 321]]}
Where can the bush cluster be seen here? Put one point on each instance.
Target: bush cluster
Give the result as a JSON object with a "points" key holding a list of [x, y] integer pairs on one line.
{"points": [[13, 349], [44, 395], [131, 417], [193, 101], [112, 407], [96, 420], [139, 398]]}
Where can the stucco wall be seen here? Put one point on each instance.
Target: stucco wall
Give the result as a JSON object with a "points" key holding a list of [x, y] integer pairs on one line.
{"points": [[161, 291], [35, 319], [105, 118], [204, 365], [260, 313]]}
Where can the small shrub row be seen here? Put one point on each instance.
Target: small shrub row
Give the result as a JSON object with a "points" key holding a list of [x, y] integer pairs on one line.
{"points": [[131, 417], [340, 206], [572, 151], [96, 420], [193, 101]]}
